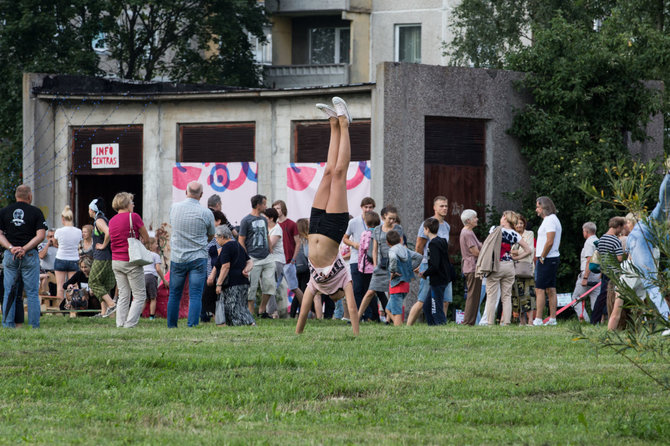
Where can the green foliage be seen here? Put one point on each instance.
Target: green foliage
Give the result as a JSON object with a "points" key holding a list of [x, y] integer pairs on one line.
{"points": [[586, 62], [183, 40], [631, 187], [186, 41], [83, 380], [488, 31]]}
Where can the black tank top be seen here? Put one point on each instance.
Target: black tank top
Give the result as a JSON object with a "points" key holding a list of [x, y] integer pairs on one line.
{"points": [[99, 237]]}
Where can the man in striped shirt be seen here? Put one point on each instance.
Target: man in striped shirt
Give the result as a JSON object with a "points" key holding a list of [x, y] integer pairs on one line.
{"points": [[192, 227], [610, 249]]}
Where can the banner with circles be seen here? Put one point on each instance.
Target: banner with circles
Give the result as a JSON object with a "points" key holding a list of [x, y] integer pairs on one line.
{"points": [[235, 183], [303, 179]]}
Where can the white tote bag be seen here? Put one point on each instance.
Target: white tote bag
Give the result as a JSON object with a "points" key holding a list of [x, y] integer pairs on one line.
{"points": [[138, 255]]}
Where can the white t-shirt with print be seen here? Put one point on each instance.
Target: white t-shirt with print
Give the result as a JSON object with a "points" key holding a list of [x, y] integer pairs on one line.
{"points": [[550, 223]]}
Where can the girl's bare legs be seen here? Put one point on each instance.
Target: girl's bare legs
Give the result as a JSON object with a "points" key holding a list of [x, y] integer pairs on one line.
{"points": [[307, 299], [337, 201], [61, 278], [318, 306], [614, 318], [323, 192], [414, 312], [351, 303], [369, 294]]}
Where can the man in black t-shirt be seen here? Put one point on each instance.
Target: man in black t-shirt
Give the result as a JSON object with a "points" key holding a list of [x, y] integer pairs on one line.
{"points": [[22, 228]]}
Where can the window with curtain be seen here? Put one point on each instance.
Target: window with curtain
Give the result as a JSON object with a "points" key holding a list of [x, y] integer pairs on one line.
{"points": [[408, 43]]}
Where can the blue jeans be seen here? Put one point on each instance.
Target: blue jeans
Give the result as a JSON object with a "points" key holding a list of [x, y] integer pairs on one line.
{"points": [[361, 283], [29, 269], [196, 271], [433, 308]]}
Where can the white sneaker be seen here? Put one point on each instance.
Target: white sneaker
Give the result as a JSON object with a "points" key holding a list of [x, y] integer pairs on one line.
{"points": [[551, 321], [537, 322], [341, 108], [327, 110], [483, 323]]}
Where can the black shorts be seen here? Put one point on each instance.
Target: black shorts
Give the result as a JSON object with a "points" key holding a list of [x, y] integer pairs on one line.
{"points": [[332, 226], [545, 273]]}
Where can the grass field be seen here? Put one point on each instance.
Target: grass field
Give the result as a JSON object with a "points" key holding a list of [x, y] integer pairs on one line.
{"points": [[84, 381]]}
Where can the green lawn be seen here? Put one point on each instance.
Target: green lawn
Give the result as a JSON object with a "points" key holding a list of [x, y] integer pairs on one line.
{"points": [[84, 381]]}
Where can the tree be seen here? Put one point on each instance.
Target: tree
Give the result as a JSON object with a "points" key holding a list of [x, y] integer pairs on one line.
{"points": [[184, 40], [488, 31], [37, 36], [585, 78]]}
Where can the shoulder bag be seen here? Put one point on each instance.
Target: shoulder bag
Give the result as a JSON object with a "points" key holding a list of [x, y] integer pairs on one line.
{"points": [[138, 255]]}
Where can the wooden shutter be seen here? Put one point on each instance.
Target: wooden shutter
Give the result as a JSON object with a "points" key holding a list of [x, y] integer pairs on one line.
{"points": [[311, 141], [455, 154], [130, 143], [220, 143], [455, 141]]}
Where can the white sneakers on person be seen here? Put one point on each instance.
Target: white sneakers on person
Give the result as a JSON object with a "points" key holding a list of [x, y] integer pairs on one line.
{"points": [[551, 321], [341, 108], [537, 322], [327, 110]]}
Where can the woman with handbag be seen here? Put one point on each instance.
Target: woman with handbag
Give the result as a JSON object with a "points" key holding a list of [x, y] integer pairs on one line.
{"points": [[523, 292], [123, 229], [232, 280], [503, 279]]}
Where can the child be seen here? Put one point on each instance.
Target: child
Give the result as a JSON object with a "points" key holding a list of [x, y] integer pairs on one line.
{"points": [[439, 271], [329, 219], [151, 274], [402, 263], [365, 263]]}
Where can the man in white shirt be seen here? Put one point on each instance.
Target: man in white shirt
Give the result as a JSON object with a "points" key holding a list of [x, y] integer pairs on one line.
{"points": [[548, 259], [586, 279]]}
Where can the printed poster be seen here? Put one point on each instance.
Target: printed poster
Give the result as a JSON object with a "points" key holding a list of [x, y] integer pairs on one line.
{"points": [[235, 183], [303, 179]]}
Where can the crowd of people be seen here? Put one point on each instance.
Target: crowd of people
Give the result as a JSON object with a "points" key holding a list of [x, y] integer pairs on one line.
{"points": [[233, 275]]}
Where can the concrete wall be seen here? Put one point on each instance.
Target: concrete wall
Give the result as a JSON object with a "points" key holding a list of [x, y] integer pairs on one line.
{"points": [[273, 116], [432, 15], [405, 94]]}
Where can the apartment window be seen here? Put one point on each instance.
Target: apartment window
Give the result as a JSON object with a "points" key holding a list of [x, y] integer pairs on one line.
{"points": [[262, 51], [408, 43], [328, 45]]}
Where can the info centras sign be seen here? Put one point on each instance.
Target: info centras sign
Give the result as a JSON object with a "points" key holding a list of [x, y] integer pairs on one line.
{"points": [[105, 156]]}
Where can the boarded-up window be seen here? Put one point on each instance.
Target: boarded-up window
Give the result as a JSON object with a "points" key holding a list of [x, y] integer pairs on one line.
{"points": [[129, 139], [220, 143], [311, 141], [455, 154], [455, 141]]}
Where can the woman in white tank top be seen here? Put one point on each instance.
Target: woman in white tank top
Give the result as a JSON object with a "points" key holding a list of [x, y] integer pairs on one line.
{"points": [[67, 257]]}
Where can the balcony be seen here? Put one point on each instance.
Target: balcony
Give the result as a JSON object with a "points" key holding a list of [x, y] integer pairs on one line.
{"points": [[296, 76], [305, 6]]}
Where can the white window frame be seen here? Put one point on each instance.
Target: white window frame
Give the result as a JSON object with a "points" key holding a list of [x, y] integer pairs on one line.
{"points": [[396, 55], [338, 37]]}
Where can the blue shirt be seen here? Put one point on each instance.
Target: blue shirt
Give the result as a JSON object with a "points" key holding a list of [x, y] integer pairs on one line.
{"points": [[191, 226]]}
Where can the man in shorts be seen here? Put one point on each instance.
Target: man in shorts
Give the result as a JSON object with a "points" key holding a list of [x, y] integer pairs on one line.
{"points": [[254, 239]]}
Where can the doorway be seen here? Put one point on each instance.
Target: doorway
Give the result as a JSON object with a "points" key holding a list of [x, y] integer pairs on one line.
{"points": [[89, 187]]}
